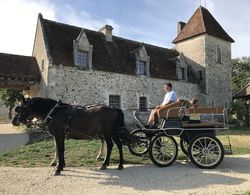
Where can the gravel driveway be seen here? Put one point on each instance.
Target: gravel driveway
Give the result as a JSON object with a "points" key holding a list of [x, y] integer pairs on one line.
{"points": [[181, 178], [11, 137]]}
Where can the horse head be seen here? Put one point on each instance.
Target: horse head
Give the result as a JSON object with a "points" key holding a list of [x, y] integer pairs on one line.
{"points": [[23, 113]]}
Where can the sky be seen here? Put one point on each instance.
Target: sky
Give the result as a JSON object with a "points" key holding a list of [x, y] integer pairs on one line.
{"points": [[149, 21]]}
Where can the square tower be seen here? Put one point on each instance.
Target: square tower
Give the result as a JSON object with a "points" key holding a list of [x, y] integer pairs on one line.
{"points": [[207, 49]]}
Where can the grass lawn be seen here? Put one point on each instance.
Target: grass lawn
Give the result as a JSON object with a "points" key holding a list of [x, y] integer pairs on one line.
{"points": [[84, 152]]}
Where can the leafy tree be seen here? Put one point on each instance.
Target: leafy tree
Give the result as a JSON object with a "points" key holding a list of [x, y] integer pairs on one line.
{"points": [[240, 73], [10, 98], [240, 78]]}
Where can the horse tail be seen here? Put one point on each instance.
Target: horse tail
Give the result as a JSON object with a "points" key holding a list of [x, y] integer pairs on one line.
{"points": [[119, 129]]}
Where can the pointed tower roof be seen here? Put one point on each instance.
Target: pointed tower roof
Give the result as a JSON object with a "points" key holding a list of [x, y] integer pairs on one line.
{"points": [[202, 22]]}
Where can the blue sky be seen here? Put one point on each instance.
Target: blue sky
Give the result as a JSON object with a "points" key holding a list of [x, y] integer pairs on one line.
{"points": [[150, 21]]}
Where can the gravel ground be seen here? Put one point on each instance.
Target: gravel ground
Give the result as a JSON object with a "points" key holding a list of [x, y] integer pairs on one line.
{"points": [[11, 137], [233, 176]]}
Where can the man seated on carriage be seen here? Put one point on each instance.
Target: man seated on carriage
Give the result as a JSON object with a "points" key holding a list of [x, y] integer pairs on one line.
{"points": [[170, 97]]}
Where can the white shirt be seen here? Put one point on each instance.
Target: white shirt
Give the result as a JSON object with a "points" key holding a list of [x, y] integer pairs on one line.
{"points": [[170, 96]]}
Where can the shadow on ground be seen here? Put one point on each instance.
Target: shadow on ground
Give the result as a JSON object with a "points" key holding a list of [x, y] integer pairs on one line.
{"points": [[179, 176]]}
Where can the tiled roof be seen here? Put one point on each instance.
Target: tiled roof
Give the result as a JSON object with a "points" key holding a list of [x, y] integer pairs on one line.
{"points": [[117, 56], [202, 22], [18, 69], [243, 93]]}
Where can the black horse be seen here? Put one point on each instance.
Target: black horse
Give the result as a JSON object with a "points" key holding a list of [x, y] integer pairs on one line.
{"points": [[65, 120]]}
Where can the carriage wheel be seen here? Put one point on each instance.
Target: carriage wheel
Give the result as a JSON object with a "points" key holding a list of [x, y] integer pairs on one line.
{"points": [[184, 146], [141, 147], [163, 150], [206, 151]]}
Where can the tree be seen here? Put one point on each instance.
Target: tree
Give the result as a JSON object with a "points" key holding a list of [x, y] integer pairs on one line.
{"points": [[240, 78], [10, 98], [240, 73]]}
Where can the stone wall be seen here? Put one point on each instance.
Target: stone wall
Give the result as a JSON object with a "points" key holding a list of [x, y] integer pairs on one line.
{"points": [[218, 75], [3, 111], [88, 87], [200, 52], [42, 58]]}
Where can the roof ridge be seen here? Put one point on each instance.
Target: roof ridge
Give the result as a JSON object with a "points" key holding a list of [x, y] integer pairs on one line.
{"points": [[18, 55], [95, 31], [143, 43], [203, 22]]}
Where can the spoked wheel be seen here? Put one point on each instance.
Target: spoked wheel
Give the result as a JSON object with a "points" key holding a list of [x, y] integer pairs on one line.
{"points": [[163, 150], [184, 146], [206, 151], [141, 146]]}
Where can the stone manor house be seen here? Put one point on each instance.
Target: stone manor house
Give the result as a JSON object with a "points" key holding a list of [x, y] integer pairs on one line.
{"points": [[85, 66]]}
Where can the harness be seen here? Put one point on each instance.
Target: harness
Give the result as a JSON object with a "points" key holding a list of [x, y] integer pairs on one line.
{"points": [[67, 123]]}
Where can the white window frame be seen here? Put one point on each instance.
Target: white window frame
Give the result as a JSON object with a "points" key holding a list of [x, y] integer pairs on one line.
{"points": [[144, 64], [82, 63]]}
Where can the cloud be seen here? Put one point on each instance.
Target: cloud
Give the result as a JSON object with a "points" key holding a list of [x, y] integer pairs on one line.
{"points": [[151, 21], [18, 22], [83, 19], [234, 18]]}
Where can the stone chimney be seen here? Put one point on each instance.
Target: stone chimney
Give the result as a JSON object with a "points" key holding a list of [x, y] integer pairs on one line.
{"points": [[180, 26], [107, 30]]}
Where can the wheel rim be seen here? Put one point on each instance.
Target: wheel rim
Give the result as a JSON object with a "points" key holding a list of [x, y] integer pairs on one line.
{"points": [[206, 151], [142, 146], [164, 150]]}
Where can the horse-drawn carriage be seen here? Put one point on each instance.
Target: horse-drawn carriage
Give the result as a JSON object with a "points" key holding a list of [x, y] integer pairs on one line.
{"points": [[196, 127]]}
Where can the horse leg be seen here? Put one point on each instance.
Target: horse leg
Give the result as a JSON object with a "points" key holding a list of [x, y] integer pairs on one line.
{"points": [[101, 150], [54, 161], [119, 146], [107, 157], [60, 148]]}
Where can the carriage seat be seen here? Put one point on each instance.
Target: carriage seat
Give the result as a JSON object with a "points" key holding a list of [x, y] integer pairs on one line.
{"points": [[162, 112], [196, 112]]}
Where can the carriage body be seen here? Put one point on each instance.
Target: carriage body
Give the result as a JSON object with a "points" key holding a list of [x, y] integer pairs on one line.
{"points": [[198, 130]]}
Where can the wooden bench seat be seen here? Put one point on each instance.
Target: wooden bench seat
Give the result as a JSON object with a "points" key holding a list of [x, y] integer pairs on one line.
{"points": [[203, 124]]}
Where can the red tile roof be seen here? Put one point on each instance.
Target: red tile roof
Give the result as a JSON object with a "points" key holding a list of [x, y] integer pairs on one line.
{"points": [[202, 22]]}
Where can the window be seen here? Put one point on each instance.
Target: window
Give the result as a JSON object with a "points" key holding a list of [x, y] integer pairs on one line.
{"points": [[115, 101], [183, 74], [212, 103], [143, 104], [42, 65], [142, 68], [200, 75], [82, 59], [218, 55], [226, 104]]}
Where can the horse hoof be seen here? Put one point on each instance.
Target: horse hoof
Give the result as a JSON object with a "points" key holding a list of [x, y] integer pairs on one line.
{"points": [[120, 167], [103, 167], [57, 173], [53, 164]]}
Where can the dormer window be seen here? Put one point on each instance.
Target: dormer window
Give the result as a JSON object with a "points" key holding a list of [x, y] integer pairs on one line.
{"points": [[218, 55], [183, 73], [142, 68], [82, 51], [181, 68], [82, 59], [142, 62]]}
